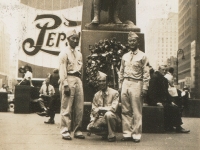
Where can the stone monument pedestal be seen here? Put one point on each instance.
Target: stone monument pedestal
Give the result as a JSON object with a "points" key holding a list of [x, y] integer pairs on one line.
{"points": [[93, 33]]}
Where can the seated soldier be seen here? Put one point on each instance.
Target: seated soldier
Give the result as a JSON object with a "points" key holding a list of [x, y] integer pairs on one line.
{"points": [[104, 119], [47, 94], [158, 94]]}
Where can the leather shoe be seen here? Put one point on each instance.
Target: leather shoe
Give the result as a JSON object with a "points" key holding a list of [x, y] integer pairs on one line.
{"points": [[126, 139], [44, 113], [182, 130], [79, 136], [104, 137], [136, 140], [67, 137], [49, 122], [113, 139]]}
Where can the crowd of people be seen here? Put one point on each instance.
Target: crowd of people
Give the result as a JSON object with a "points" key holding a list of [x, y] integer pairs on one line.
{"points": [[136, 82]]}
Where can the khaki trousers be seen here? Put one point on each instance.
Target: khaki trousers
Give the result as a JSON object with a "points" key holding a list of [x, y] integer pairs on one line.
{"points": [[109, 120], [131, 101], [72, 106]]}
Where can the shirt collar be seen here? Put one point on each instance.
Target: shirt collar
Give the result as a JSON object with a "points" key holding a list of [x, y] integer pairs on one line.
{"points": [[71, 49], [106, 92], [135, 52]]}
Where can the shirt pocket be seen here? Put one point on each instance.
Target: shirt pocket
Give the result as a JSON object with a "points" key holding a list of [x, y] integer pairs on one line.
{"points": [[79, 62], [100, 102], [136, 65], [70, 63]]}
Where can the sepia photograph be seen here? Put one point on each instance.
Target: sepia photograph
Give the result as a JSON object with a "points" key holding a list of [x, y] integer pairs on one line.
{"points": [[99, 74]]}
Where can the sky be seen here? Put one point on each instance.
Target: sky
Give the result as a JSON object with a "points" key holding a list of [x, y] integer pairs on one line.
{"points": [[154, 9]]}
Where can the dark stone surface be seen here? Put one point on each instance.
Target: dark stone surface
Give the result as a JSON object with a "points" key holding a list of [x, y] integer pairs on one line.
{"points": [[113, 27], [23, 95], [193, 109], [3, 101], [152, 119]]}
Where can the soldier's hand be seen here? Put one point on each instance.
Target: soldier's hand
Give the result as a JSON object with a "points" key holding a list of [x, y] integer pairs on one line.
{"points": [[67, 90]]}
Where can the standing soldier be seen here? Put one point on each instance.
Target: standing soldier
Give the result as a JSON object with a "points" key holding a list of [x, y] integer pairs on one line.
{"points": [[70, 64], [133, 80]]}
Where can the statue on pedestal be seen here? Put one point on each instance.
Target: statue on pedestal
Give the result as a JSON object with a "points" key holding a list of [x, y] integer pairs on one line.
{"points": [[120, 16], [113, 6]]}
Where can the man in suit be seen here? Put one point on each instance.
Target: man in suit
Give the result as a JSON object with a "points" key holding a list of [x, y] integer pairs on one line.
{"points": [[47, 96], [104, 107], [158, 95]]}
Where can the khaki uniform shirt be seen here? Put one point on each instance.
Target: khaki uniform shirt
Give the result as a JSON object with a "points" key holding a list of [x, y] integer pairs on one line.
{"points": [[109, 100], [134, 65], [70, 61]]}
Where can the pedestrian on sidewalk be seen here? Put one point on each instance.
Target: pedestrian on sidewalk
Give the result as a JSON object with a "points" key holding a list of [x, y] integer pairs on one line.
{"points": [[47, 92]]}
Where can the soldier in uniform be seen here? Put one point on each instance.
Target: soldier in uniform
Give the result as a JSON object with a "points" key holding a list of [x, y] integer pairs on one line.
{"points": [[70, 64], [133, 81], [104, 119]]}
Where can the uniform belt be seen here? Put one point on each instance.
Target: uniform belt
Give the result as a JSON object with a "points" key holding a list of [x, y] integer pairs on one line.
{"points": [[131, 79], [76, 74]]}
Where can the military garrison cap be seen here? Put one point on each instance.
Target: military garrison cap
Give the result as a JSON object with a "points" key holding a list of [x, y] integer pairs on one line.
{"points": [[132, 35], [101, 75]]}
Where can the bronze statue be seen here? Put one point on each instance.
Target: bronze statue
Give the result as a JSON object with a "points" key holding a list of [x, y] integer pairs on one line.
{"points": [[113, 6]]}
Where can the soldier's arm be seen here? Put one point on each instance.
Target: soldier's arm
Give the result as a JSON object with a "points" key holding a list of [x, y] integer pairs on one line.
{"points": [[121, 73], [95, 108], [146, 75], [63, 68]]}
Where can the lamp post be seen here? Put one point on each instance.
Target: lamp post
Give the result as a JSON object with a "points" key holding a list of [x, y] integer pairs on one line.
{"points": [[180, 51]]}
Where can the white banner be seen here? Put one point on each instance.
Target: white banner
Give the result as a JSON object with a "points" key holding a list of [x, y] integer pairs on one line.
{"points": [[43, 34]]}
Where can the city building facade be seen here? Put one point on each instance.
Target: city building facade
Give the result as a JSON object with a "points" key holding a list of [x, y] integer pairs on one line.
{"points": [[162, 39], [189, 42]]}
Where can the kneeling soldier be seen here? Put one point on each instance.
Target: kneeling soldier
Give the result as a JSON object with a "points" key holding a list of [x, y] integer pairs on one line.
{"points": [[104, 119]]}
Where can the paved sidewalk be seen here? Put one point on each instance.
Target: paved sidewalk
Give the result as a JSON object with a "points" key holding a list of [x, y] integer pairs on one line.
{"points": [[28, 132]]}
